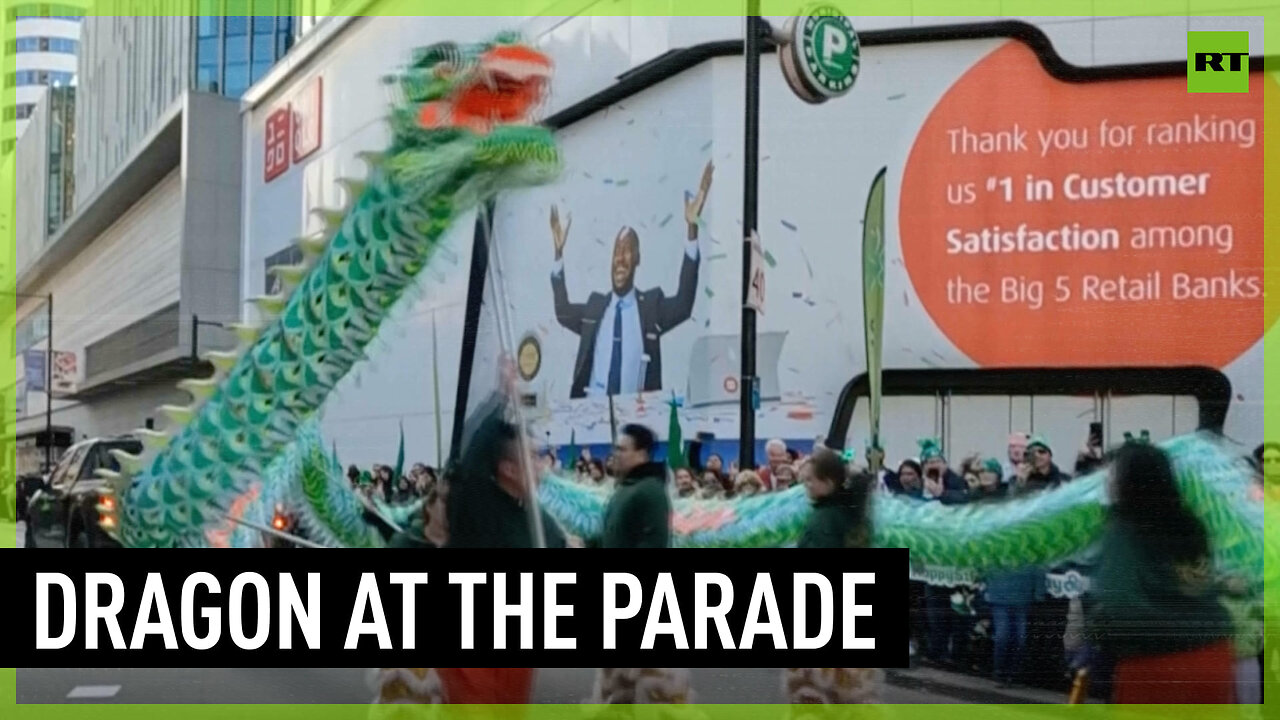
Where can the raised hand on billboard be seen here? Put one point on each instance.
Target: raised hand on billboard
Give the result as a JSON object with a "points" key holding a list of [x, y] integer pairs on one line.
{"points": [[693, 206], [559, 234]]}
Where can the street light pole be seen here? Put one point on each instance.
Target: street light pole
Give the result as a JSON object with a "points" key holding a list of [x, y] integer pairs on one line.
{"points": [[756, 29], [196, 322], [48, 390]]}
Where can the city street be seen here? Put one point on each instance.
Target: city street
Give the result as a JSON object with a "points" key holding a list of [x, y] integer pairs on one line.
{"points": [[554, 685], [347, 685]]}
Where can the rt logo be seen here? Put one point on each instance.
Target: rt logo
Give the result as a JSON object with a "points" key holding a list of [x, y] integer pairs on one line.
{"points": [[1218, 62]]}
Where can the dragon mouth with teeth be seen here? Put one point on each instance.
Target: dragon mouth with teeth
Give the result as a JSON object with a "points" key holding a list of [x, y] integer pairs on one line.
{"points": [[511, 82]]}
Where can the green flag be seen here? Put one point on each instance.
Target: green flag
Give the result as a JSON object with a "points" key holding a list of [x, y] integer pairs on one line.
{"points": [[573, 449], [395, 477], [675, 442], [873, 301]]}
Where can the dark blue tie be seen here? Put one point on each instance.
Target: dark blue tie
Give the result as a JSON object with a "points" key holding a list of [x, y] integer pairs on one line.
{"points": [[615, 364]]}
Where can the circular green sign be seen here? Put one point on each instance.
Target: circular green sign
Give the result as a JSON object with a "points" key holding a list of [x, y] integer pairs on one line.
{"points": [[828, 51]]}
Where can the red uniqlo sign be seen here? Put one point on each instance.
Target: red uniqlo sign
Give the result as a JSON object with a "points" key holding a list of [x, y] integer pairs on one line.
{"points": [[294, 131], [279, 139], [307, 106]]}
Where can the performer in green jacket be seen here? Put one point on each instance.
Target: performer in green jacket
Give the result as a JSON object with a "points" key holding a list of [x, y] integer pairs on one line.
{"points": [[639, 513], [839, 518]]}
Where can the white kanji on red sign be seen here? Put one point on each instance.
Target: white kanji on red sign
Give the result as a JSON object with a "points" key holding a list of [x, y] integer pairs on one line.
{"points": [[279, 138], [308, 106]]}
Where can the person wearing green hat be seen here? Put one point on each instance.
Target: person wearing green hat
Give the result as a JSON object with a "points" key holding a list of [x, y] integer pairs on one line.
{"points": [[990, 485], [940, 481], [945, 630], [1038, 471]]}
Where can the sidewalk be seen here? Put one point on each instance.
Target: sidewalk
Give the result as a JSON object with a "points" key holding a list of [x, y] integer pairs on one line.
{"points": [[10, 535], [970, 688]]}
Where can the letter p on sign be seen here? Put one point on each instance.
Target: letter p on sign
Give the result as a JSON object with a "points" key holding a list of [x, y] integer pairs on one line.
{"points": [[834, 43], [1217, 62]]}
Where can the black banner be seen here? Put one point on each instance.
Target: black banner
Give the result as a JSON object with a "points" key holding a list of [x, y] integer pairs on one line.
{"points": [[342, 608]]}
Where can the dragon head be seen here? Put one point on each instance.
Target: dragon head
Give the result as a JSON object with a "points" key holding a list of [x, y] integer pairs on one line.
{"points": [[485, 95]]}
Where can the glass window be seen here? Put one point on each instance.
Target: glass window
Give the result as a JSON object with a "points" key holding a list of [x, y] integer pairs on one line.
{"points": [[208, 26], [284, 41], [237, 25], [263, 24], [69, 466], [109, 461], [207, 78], [237, 49], [207, 52], [9, 113], [263, 55], [237, 79]]}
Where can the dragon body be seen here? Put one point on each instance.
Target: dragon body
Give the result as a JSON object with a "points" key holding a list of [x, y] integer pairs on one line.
{"points": [[1037, 529]]}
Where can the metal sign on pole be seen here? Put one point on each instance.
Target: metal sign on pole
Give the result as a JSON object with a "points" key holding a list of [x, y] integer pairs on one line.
{"points": [[820, 55], [756, 290]]}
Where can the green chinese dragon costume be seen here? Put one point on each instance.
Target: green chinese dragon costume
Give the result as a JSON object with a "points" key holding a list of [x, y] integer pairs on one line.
{"points": [[250, 441], [460, 134]]}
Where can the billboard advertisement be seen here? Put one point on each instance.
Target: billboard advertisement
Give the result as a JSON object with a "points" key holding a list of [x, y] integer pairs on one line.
{"points": [[1030, 222]]}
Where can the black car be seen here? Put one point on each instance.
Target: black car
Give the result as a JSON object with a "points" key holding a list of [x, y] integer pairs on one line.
{"points": [[63, 511], [26, 486]]}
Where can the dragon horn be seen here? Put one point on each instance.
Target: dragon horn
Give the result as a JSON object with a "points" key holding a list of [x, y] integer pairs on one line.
{"points": [[270, 306], [247, 334], [130, 464], [332, 218], [152, 439], [355, 188], [313, 246], [221, 361]]}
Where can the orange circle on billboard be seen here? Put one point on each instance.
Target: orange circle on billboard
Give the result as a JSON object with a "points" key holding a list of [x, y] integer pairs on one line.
{"points": [[1117, 223]]}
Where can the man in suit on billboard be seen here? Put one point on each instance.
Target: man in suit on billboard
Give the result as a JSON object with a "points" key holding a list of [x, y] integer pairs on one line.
{"points": [[619, 331]]}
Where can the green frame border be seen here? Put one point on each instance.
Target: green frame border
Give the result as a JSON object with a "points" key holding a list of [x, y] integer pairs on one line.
{"points": [[10, 710]]}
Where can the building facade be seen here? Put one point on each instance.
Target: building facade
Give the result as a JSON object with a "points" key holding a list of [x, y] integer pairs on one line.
{"points": [[135, 68], [45, 46], [416, 363], [144, 270]]}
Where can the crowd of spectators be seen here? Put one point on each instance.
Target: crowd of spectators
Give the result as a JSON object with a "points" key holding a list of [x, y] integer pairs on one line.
{"points": [[379, 483]]}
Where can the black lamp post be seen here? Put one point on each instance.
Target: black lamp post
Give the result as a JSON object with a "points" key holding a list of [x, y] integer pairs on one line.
{"points": [[196, 322], [757, 31]]}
